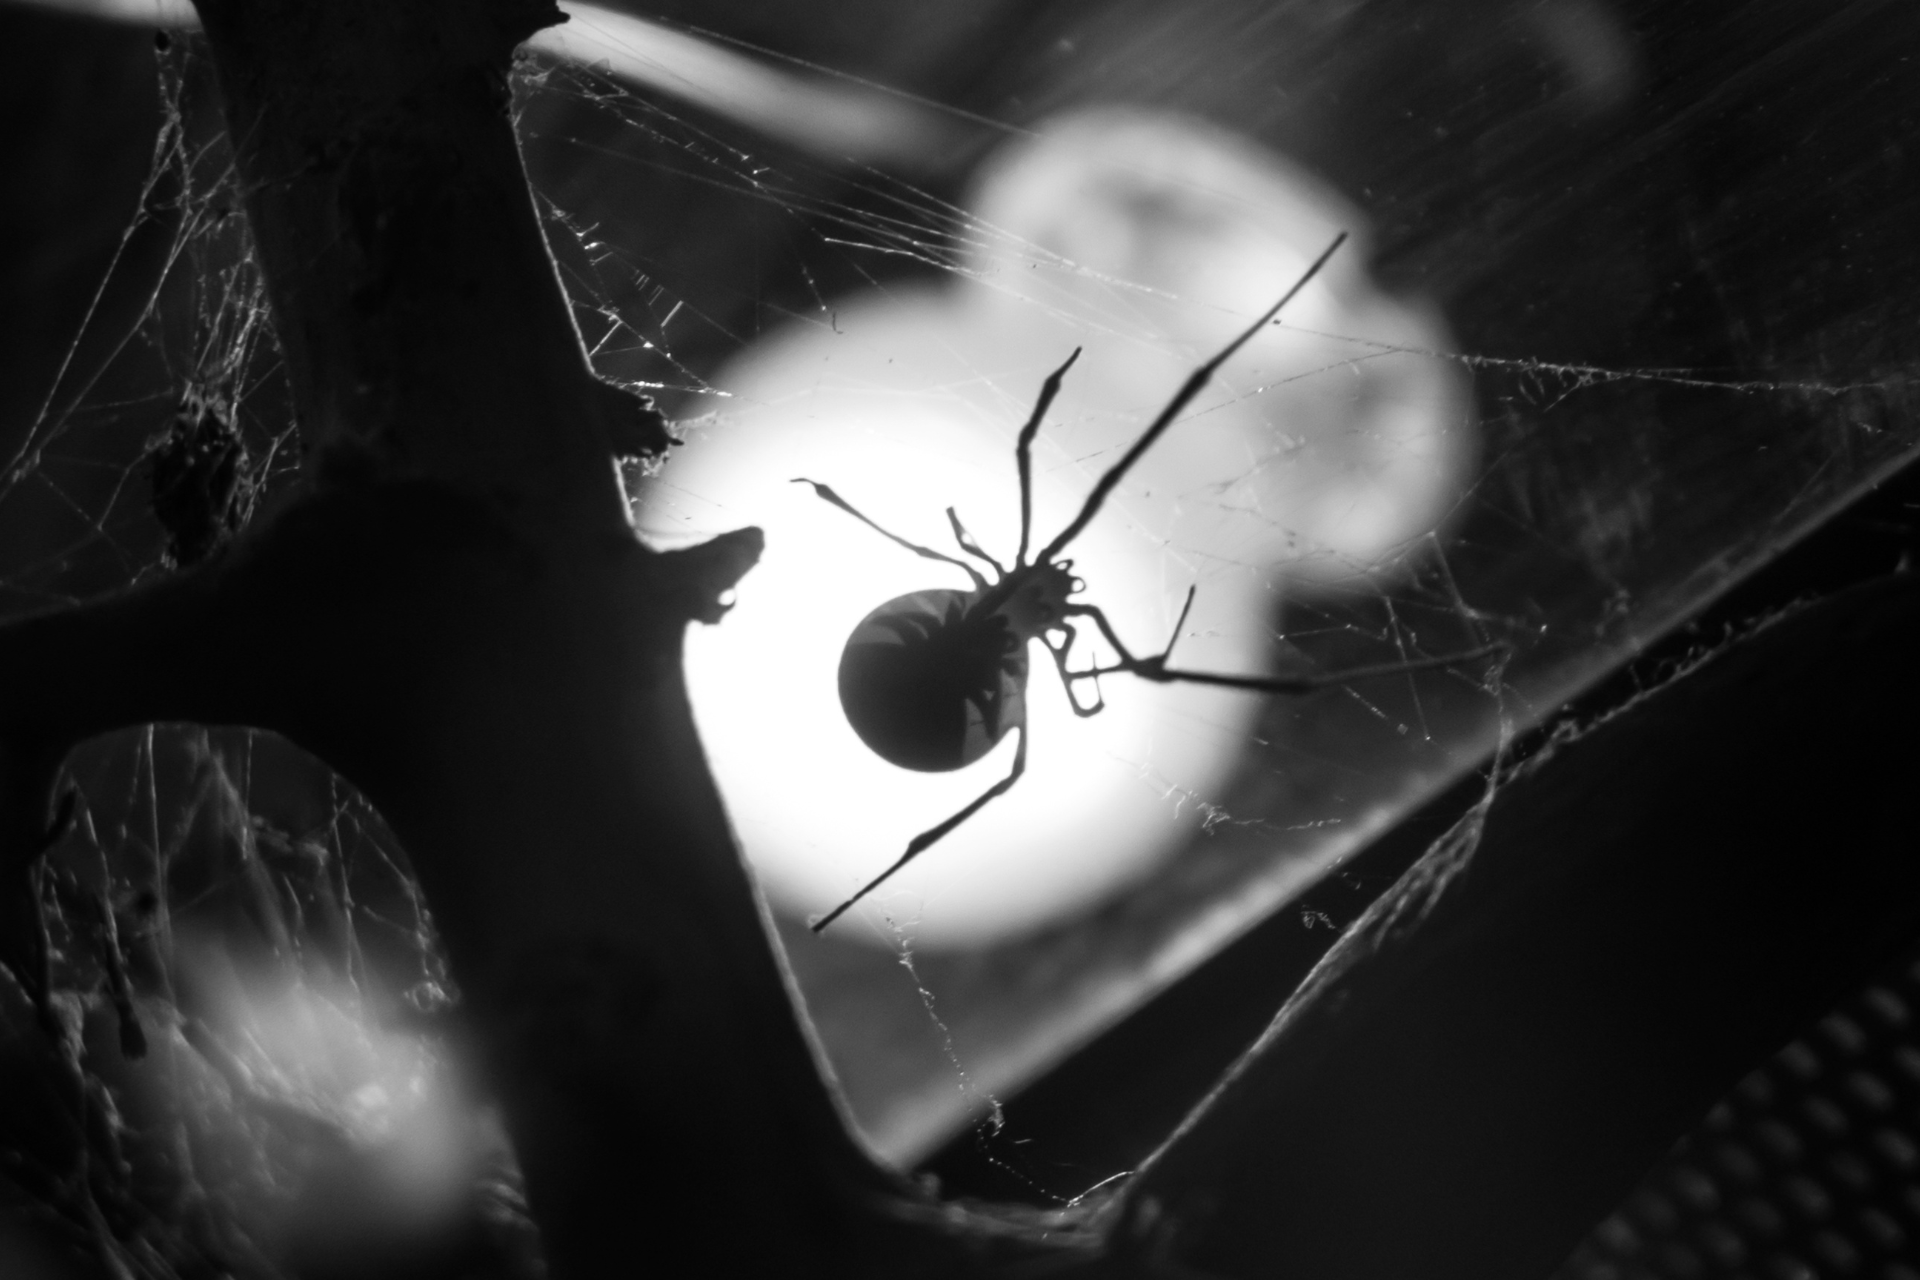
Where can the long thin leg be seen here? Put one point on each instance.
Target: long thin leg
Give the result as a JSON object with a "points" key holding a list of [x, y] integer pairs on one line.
{"points": [[1127, 661], [926, 839], [1179, 625], [1023, 453], [1157, 670], [1195, 383], [970, 545], [1308, 684], [826, 492]]}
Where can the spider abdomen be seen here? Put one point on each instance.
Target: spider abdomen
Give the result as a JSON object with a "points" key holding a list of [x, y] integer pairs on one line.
{"points": [[931, 684]]}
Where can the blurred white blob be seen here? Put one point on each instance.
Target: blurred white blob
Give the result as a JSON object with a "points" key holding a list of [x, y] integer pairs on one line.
{"points": [[336, 1137], [1595, 53], [1329, 445], [1324, 451], [839, 118]]}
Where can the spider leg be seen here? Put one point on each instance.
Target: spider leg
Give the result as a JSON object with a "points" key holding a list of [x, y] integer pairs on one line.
{"points": [[969, 545], [1194, 384], [1163, 674], [927, 838], [1127, 661], [1023, 453], [1178, 623], [826, 493], [1157, 670], [1067, 677]]}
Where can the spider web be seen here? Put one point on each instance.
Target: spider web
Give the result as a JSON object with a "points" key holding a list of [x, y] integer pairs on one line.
{"points": [[1586, 508], [1562, 538], [868, 240], [223, 909]]}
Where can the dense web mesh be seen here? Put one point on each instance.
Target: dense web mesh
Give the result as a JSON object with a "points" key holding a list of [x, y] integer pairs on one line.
{"points": [[1515, 453], [222, 909]]}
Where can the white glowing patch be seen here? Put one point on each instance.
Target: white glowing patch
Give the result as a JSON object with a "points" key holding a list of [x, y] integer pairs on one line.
{"points": [[302, 1048], [1322, 452], [819, 813]]}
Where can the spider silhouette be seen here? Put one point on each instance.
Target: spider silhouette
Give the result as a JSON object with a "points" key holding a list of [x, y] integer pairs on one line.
{"points": [[933, 680]]}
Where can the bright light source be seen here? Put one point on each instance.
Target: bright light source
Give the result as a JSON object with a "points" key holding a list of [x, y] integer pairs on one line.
{"points": [[1322, 451], [818, 812], [386, 1141]]}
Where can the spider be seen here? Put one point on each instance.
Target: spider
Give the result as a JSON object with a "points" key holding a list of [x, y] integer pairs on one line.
{"points": [[933, 680]]}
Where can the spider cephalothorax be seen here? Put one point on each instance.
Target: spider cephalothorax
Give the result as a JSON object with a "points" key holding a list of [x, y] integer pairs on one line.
{"points": [[933, 679], [1034, 599]]}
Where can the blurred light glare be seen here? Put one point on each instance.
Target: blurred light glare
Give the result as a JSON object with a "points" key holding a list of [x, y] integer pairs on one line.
{"points": [[817, 811], [409, 1140], [1324, 450], [1333, 442], [839, 118]]}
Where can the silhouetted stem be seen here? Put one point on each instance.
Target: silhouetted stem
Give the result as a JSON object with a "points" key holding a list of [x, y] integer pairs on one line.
{"points": [[456, 616]]}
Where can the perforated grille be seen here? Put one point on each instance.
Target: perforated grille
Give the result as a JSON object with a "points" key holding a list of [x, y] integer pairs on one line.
{"points": [[1809, 1169]]}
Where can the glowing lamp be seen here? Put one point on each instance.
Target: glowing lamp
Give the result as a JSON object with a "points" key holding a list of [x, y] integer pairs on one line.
{"points": [[1323, 449]]}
